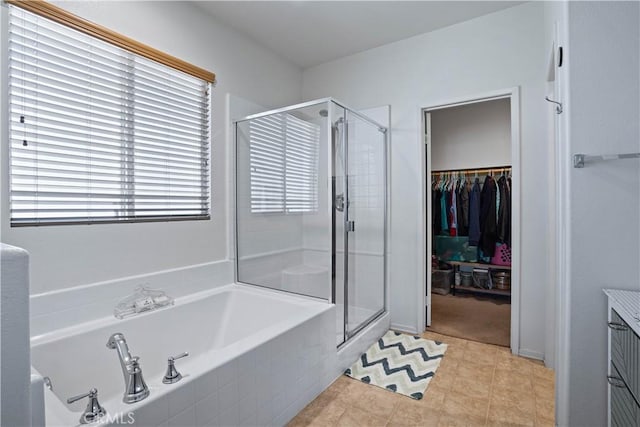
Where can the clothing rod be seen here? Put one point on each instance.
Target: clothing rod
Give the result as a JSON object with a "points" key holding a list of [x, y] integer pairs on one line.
{"points": [[471, 170], [579, 160]]}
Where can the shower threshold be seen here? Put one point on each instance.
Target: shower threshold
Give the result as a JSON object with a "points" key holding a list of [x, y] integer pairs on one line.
{"points": [[358, 318]]}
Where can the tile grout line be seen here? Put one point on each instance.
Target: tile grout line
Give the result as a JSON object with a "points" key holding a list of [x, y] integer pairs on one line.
{"points": [[493, 374], [393, 410], [535, 399]]}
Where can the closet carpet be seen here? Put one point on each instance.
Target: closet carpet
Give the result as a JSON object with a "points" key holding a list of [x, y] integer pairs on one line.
{"points": [[472, 317]]}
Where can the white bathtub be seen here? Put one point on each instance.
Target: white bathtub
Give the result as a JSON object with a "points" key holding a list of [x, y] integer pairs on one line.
{"points": [[256, 358]]}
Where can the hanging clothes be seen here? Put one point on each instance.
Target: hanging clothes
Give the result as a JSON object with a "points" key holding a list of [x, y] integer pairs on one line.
{"points": [[464, 200], [443, 211], [504, 211], [463, 230], [447, 203], [436, 212], [474, 214], [453, 213], [488, 217], [507, 238], [479, 210], [497, 200], [436, 220]]}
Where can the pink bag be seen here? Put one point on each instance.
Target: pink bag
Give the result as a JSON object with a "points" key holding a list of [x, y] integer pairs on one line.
{"points": [[502, 255]]}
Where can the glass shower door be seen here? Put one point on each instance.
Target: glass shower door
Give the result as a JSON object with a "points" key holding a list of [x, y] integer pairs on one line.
{"points": [[364, 222]]}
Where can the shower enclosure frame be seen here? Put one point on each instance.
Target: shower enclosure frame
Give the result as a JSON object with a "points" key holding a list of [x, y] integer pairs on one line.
{"points": [[331, 105]]}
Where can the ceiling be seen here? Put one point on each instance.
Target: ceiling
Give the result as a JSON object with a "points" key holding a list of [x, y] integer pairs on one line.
{"points": [[312, 32]]}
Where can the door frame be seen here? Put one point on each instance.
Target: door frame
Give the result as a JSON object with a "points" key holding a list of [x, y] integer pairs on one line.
{"points": [[424, 299]]}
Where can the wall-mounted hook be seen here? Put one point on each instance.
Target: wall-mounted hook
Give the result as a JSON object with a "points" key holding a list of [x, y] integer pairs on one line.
{"points": [[558, 104]]}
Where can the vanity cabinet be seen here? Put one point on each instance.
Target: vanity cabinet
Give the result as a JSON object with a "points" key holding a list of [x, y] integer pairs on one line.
{"points": [[624, 411], [624, 358]]}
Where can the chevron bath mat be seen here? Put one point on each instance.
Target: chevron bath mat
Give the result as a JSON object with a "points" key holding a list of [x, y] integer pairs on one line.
{"points": [[400, 363]]}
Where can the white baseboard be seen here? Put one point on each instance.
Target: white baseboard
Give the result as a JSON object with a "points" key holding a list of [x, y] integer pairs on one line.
{"points": [[405, 328], [531, 354]]}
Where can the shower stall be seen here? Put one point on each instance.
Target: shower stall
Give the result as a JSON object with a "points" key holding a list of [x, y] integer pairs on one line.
{"points": [[311, 207]]}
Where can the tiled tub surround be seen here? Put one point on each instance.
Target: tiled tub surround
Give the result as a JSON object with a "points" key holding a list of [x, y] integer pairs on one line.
{"points": [[66, 307], [257, 357]]}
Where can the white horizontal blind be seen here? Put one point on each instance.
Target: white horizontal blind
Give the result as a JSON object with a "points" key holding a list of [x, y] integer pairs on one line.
{"points": [[284, 164], [302, 142], [267, 163], [99, 134]]}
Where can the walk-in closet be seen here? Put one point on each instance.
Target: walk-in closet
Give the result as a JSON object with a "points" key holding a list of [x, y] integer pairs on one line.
{"points": [[470, 185]]}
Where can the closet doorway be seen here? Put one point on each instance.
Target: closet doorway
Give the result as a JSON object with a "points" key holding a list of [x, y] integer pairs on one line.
{"points": [[471, 203]]}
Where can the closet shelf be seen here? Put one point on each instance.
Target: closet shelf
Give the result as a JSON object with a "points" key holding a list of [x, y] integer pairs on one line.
{"points": [[482, 290], [456, 265], [479, 265], [469, 171]]}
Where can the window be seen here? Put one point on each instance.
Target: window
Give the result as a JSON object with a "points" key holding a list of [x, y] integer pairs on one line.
{"points": [[101, 134], [284, 164]]}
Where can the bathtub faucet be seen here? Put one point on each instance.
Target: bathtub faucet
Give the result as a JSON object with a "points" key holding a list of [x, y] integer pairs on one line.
{"points": [[135, 388]]}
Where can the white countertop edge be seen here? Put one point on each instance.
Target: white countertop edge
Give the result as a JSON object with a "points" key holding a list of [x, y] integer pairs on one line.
{"points": [[621, 301]]}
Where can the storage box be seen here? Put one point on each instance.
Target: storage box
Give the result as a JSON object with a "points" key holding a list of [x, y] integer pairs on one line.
{"points": [[455, 249], [441, 281], [482, 278], [501, 280]]}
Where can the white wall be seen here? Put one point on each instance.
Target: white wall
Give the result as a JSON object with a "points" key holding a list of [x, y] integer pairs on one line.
{"points": [[471, 136], [64, 256], [497, 51], [604, 203]]}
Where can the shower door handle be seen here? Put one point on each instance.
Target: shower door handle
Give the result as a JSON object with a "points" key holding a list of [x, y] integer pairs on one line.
{"points": [[351, 226]]}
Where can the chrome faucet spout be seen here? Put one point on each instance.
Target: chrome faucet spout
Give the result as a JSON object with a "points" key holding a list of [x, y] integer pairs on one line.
{"points": [[117, 342], [135, 387]]}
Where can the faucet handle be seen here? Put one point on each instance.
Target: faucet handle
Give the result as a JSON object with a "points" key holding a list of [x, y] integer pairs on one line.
{"points": [[94, 410], [91, 393], [179, 356], [172, 375]]}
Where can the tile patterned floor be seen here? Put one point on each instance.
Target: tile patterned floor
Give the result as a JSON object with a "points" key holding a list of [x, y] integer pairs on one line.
{"points": [[476, 385]]}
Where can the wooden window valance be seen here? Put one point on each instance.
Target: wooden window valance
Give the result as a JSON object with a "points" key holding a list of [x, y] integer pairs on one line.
{"points": [[64, 17]]}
